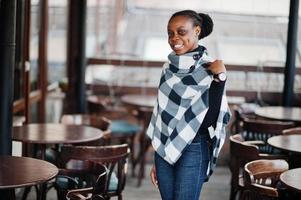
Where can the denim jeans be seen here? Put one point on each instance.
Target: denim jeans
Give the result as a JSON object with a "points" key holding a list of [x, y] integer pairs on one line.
{"points": [[184, 179]]}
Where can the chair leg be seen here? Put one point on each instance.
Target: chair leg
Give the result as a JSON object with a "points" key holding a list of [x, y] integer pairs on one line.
{"points": [[132, 154], [61, 195], [141, 160], [120, 197], [144, 147], [25, 193], [8, 194]]}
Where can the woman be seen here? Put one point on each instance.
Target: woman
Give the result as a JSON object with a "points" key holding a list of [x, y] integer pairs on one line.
{"points": [[187, 128]]}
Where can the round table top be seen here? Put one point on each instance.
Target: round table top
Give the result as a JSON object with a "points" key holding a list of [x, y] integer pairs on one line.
{"points": [[280, 113], [139, 100], [291, 179], [55, 133], [23, 171], [288, 143], [98, 99]]}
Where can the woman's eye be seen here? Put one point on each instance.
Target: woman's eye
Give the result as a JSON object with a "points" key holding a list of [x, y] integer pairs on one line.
{"points": [[182, 32], [170, 34]]}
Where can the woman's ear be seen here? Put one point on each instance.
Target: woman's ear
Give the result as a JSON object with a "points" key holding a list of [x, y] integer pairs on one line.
{"points": [[197, 31]]}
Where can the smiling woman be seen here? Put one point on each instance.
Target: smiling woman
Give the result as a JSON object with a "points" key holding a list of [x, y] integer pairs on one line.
{"points": [[187, 127]]}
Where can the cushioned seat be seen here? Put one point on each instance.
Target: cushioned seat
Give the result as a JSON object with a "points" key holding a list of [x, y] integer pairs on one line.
{"points": [[66, 183], [121, 127], [50, 156], [113, 184]]}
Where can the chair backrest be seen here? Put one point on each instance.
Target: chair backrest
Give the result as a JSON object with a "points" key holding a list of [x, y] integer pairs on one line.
{"points": [[240, 154], [242, 151], [96, 121], [256, 129], [292, 131], [113, 157], [261, 177], [97, 104], [239, 115]]}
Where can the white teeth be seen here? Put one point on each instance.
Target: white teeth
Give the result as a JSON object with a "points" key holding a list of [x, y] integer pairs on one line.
{"points": [[178, 46]]}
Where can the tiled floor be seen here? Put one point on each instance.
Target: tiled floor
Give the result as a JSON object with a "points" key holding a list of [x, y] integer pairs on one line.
{"points": [[216, 189]]}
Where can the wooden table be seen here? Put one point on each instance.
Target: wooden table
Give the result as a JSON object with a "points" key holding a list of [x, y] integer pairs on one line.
{"points": [[18, 172], [287, 143], [280, 113], [291, 144], [292, 179], [139, 100], [43, 134]]}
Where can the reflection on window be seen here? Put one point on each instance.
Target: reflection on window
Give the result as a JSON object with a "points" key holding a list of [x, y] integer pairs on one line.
{"points": [[57, 40], [247, 51], [136, 29], [34, 43], [251, 32]]}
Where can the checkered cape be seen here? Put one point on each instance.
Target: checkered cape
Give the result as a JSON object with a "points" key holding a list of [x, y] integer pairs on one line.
{"points": [[181, 106]]}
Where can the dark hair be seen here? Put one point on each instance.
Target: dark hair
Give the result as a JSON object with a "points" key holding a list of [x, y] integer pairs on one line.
{"points": [[202, 20]]}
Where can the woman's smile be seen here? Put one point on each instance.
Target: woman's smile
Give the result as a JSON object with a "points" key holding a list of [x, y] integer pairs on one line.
{"points": [[178, 46]]}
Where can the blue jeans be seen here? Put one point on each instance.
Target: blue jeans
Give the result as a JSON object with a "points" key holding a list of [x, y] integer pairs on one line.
{"points": [[184, 179]]}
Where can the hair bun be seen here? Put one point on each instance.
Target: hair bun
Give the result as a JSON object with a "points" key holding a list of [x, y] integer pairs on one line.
{"points": [[207, 25]]}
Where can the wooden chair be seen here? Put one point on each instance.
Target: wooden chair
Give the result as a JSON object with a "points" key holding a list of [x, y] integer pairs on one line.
{"points": [[98, 104], [292, 131], [239, 115], [242, 152], [73, 159], [96, 121], [92, 193], [262, 130], [262, 177], [123, 128], [144, 115]]}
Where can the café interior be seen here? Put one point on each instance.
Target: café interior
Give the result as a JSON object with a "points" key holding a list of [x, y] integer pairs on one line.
{"points": [[79, 81]]}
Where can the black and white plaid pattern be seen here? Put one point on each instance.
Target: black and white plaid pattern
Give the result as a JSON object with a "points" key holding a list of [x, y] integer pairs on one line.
{"points": [[182, 105]]}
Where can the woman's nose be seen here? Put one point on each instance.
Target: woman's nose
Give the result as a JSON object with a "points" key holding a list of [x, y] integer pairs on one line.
{"points": [[174, 37]]}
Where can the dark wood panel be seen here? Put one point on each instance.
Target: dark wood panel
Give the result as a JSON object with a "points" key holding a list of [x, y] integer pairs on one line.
{"points": [[146, 63]]}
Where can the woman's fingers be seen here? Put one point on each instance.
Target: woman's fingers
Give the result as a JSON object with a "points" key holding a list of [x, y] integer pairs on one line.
{"points": [[154, 176], [206, 65], [217, 67]]}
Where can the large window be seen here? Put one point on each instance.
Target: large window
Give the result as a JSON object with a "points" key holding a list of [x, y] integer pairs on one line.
{"points": [[137, 29], [246, 33]]}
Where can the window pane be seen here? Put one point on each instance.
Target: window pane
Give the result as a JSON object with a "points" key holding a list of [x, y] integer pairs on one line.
{"points": [[34, 43], [251, 32], [57, 40]]}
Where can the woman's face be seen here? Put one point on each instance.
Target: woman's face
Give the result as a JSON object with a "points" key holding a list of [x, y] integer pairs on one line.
{"points": [[182, 34]]}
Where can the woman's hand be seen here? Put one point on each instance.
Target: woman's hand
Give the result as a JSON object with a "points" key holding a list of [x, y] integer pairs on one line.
{"points": [[154, 176], [217, 67]]}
